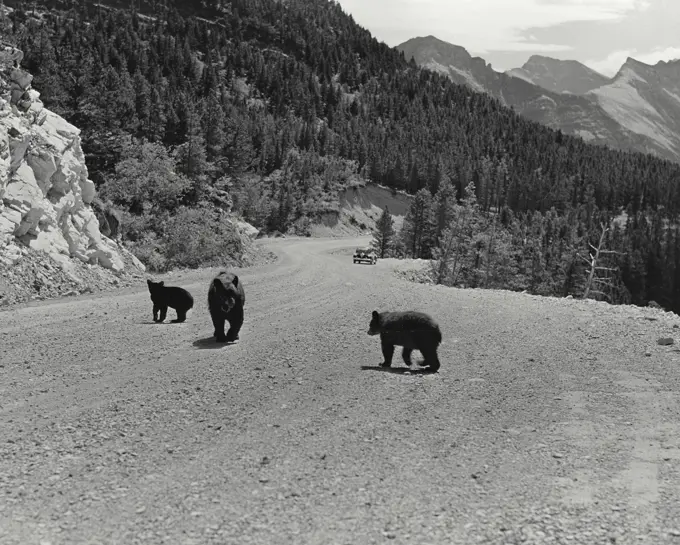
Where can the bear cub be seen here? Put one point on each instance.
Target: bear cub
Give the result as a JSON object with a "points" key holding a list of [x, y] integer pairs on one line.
{"points": [[164, 296], [226, 298], [410, 329]]}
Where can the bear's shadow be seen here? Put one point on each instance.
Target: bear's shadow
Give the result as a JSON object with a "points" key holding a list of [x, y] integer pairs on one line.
{"points": [[166, 322], [209, 343], [398, 370]]}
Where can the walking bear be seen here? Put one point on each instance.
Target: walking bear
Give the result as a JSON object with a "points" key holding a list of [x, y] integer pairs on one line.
{"points": [[226, 298], [412, 330], [164, 296]]}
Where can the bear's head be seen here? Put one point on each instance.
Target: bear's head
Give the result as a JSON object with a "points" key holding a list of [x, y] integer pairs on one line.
{"points": [[228, 293], [376, 324], [154, 287]]}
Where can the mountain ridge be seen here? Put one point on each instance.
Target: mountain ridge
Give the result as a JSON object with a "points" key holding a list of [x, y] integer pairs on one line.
{"points": [[559, 75], [645, 99], [636, 110]]}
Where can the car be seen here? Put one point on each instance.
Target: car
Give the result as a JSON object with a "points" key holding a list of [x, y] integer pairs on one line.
{"points": [[365, 255]]}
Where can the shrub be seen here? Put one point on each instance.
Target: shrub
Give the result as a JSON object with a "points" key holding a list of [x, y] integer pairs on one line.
{"points": [[197, 237], [149, 251], [192, 238], [145, 180], [303, 227]]}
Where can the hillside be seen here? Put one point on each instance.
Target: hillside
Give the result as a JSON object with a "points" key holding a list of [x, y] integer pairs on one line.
{"points": [[57, 237], [272, 111], [568, 96], [382, 120], [360, 209]]}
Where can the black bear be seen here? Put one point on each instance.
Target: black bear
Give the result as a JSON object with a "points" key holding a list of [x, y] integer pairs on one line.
{"points": [[412, 330], [164, 296], [226, 298]]}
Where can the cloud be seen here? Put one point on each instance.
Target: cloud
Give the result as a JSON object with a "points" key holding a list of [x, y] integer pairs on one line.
{"points": [[480, 25], [667, 54], [611, 64], [526, 46]]}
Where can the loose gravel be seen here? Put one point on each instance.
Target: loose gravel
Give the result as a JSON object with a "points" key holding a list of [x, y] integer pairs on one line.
{"points": [[550, 421]]}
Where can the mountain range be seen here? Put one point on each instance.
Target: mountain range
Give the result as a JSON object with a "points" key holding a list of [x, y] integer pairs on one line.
{"points": [[638, 109]]}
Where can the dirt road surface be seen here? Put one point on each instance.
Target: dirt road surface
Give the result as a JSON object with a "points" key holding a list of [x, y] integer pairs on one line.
{"points": [[550, 421]]}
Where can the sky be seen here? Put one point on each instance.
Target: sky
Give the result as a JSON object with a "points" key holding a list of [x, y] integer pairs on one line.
{"points": [[599, 33]]}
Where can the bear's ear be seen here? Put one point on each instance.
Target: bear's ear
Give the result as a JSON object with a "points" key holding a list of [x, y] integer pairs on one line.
{"points": [[161, 283], [235, 281], [376, 316], [149, 282]]}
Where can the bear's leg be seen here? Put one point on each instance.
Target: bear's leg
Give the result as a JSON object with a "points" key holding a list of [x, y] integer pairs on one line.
{"points": [[181, 315], [218, 322], [406, 354], [235, 324], [156, 310], [164, 312], [431, 358], [388, 352]]}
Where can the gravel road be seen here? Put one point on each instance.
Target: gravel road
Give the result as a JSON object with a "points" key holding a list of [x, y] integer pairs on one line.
{"points": [[550, 421]]}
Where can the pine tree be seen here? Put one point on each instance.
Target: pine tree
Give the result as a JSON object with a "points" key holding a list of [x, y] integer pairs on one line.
{"points": [[419, 228], [383, 233], [237, 150], [142, 99], [214, 126], [452, 254], [444, 205], [191, 155]]}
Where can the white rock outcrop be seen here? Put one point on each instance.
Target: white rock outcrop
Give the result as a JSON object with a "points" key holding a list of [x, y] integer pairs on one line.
{"points": [[245, 229], [45, 193]]}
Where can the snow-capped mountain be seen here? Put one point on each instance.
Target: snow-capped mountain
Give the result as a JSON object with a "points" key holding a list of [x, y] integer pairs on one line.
{"points": [[559, 76], [638, 109]]}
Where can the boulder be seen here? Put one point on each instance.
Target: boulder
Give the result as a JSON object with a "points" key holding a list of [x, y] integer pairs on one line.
{"points": [[245, 229]]}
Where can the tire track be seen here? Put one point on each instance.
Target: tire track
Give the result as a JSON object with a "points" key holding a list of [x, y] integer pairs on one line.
{"points": [[641, 476]]}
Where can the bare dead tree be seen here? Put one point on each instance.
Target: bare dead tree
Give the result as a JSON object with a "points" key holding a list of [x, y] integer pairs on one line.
{"points": [[593, 280]]}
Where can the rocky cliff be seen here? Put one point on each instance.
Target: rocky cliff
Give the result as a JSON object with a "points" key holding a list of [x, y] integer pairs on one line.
{"points": [[46, 213]]}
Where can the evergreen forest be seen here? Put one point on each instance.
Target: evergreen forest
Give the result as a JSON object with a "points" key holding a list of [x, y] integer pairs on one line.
{"points": [[271, 109]]}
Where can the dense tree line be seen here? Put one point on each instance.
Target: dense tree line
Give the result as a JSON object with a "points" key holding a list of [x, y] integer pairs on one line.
{"points": [[583, 251], [274, 107]]}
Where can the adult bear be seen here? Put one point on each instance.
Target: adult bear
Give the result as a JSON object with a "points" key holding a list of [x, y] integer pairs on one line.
{"points": [[163, 296], [410, 329], [226, 298]]}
